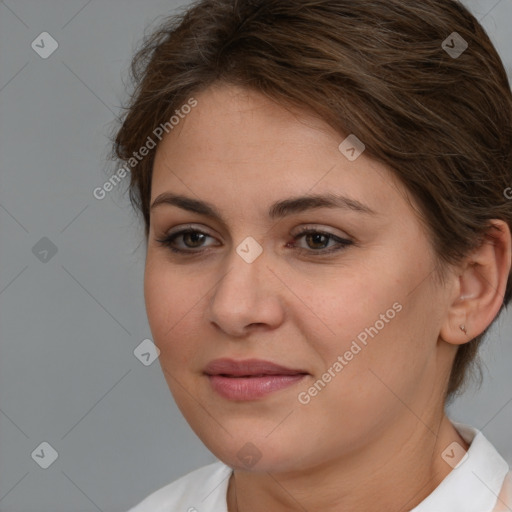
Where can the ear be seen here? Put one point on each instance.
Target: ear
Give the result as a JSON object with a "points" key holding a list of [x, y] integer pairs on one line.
{"points": [[480, 286]]}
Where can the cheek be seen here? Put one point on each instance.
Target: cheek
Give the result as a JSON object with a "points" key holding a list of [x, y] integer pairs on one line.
{"points": [[374, 379], [396, 359], [346, 307], [371, 325], [172, 306]]}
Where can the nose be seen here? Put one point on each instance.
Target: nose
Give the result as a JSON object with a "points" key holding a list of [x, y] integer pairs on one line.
{"points": [[247, 298]]}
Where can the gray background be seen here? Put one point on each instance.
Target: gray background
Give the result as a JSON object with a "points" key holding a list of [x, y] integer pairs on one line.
{"points": [[70, 324]]}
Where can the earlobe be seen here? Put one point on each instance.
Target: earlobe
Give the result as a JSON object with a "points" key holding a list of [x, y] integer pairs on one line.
{"points": [[480, 287]]}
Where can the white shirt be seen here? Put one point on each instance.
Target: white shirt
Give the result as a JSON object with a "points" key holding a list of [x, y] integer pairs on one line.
{"points": [[480, 482]]}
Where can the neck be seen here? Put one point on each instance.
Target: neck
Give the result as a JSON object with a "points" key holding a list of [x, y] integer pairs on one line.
{"points": [[396, 472]]}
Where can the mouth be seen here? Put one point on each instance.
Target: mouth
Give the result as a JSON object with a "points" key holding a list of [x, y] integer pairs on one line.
{"points": [[250, 379]]}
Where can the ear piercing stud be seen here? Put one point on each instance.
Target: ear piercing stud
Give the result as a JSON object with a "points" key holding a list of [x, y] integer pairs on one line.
{"points": [[463, 328]]}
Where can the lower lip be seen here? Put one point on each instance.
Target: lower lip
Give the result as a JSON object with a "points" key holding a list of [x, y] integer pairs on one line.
{"points": [[251, 388]]}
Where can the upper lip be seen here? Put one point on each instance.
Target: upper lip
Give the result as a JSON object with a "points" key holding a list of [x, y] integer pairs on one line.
{"points": [[247, 367]]}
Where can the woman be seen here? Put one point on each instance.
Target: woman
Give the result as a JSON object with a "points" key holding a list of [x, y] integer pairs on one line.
{"points": [[328, 241]]}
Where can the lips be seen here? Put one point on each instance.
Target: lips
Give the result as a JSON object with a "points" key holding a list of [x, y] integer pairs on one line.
{"points": [[248, 368], [251, 379]]}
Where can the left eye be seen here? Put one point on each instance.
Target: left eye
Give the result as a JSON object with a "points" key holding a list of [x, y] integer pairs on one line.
{"points": [[318, 241]]}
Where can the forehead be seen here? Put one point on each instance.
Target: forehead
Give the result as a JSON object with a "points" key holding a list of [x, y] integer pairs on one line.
{"points": [[238, 142]]}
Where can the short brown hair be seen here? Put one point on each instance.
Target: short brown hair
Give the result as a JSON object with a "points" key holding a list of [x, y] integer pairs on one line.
{"points": [[376, 69]]}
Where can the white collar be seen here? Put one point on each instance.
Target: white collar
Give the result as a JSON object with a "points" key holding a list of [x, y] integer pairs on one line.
{"points": [[475, 483]]}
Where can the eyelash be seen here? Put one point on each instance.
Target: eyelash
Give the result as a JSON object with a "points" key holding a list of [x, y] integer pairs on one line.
{"points": [[343, 243]]}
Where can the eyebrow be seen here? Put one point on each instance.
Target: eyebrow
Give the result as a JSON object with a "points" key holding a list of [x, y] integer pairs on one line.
{"points": [[277, 210]]}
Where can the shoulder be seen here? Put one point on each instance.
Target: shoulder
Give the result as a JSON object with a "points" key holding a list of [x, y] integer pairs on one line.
{"points": [[504, 501], [202, 489]]}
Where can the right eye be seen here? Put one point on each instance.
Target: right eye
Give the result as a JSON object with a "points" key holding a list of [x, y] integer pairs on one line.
{"points": [[191, 238]]}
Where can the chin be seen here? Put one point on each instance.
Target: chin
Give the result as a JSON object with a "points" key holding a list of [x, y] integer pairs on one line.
{"points": [[257, 453]]}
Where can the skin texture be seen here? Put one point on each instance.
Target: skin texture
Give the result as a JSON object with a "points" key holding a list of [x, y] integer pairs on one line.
{"points": [[381, 420]]}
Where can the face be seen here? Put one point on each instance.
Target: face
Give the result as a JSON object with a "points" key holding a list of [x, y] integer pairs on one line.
{"points": [[342, 297]]}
